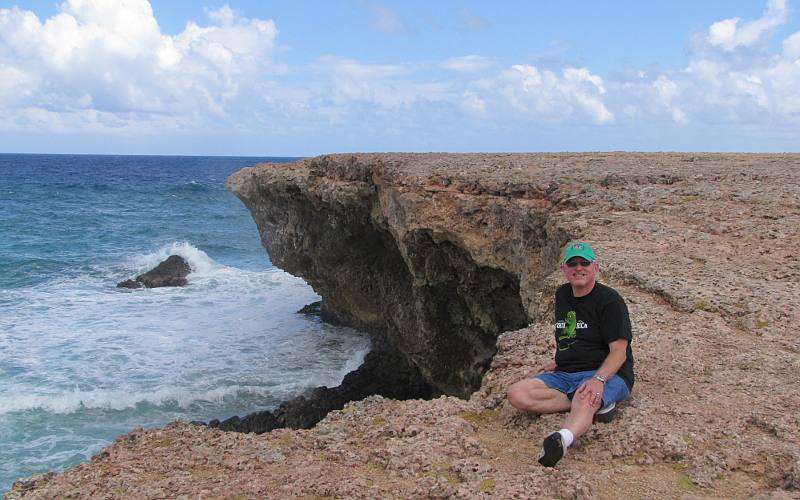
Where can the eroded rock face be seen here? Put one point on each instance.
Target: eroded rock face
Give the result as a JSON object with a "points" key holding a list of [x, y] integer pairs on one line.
{"points": [[171, 272], [433, 270]]}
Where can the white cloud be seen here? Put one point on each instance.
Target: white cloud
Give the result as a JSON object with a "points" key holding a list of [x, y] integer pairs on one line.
{"points": [[728, 34], [721, 83], [351, 68], [470, 63], [545, 95], [104, 67], [753, 87], [472, 103], [383, 85], [791, 46], [224, 16], [667, 92], [109, 57]]}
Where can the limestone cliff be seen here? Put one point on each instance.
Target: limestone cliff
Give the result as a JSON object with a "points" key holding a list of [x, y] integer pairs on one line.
{"points": [[413, 248]]}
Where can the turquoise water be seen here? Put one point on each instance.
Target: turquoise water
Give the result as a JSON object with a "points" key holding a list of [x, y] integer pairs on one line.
{"points": [[82, 362]]}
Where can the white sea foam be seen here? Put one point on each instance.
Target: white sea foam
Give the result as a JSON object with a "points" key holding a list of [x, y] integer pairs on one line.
{"points": [[230, 335], [93, 361], [70, 402], [207, 271], [354, 361], [197, 259]]}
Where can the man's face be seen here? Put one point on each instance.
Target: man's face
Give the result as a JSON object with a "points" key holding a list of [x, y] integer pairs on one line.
{"points": [[579, 272]]}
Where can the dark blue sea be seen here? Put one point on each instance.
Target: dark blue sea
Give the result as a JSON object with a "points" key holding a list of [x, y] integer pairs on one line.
{"points": [[82, 362]]}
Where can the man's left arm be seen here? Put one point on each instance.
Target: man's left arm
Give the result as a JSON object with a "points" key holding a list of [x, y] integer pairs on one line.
{"points": [[593, 388], [618, 353]]}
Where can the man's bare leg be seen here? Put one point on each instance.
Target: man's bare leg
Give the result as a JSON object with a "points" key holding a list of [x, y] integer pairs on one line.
{"points": [[533, 395], [576, 424], [579, 419]]}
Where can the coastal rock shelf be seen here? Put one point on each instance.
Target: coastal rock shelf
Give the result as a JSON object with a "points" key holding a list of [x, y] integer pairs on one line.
{"points": [[451, 261]]}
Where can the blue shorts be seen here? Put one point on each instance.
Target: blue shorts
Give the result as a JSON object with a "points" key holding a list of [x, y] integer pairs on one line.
{"points": [[615, 389]]}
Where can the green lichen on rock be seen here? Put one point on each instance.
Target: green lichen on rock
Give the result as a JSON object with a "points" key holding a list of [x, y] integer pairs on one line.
{"points": [[484, 418]]}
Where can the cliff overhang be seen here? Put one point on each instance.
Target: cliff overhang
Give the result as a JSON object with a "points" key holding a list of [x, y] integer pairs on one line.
{"points": [[411, 249]]}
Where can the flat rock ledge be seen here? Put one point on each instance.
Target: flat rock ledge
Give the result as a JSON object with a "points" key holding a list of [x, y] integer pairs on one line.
{"points": [[701, 245]]}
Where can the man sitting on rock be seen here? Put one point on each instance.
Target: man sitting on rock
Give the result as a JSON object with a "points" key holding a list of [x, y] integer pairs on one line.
{"points": [[592, 368]]}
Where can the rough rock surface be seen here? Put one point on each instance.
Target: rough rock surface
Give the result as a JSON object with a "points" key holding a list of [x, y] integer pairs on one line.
{"points": [[171, 272], [702, 246]]}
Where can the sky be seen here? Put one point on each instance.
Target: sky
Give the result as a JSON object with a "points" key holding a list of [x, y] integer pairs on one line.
{"points": [[300, 78]]}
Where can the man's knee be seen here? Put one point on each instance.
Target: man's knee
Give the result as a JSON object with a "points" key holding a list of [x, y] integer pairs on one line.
{"points": [[582, 405], [528, 395], [518, 395]]}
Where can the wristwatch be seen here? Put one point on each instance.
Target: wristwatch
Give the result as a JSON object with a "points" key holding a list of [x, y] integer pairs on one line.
{"points": [[600, 378]]}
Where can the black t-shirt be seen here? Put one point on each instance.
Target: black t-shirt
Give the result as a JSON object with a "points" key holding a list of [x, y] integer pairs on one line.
{"points": [[586, 325]]}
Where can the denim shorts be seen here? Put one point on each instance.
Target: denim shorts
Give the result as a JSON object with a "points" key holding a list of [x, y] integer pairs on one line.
{"points": [[615, 389]]}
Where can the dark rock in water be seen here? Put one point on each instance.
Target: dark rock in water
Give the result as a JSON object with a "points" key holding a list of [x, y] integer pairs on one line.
{"points": [[129, 284], [385, 371], [258, 422], [171, 272], [326, 314], [314, 308], [230, 424]]}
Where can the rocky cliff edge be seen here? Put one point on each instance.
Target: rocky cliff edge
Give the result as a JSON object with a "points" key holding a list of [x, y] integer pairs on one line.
{"points": [[447, 258]]}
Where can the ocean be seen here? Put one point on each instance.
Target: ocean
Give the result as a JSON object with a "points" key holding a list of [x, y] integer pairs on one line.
{"points": [[82, 362]]}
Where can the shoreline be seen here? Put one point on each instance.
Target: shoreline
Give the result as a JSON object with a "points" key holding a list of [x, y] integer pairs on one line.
{"points": [[666, 226]]}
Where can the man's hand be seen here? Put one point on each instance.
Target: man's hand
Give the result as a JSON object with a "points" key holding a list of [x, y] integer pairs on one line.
{"points": [[592, 390], [548, 367]]}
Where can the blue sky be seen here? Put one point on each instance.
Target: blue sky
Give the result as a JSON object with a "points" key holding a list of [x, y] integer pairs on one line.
{"points": [[250, 77]]}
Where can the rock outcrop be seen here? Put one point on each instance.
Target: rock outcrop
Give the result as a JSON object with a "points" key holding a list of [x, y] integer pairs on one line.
{"points": [[431, 265], [171, 272], [702, 246]]}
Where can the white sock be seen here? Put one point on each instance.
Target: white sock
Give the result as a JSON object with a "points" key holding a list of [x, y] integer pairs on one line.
{"points": [[568, 437]]}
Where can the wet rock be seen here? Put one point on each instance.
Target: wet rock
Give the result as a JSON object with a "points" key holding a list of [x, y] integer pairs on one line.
{"points": [[129, 284], [171, 272], [313, 309], [326, 314], [385, 372]]}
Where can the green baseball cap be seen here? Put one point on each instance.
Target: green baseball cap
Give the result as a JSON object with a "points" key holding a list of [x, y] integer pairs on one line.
{"points": [[579, 249]]}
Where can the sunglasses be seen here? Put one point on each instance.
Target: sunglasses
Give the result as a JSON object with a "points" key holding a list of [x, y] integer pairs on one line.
{"points": [[576, 263]]}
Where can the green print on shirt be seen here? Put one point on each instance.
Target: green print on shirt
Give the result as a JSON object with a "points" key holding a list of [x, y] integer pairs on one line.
{"points": [[569, 331]]}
